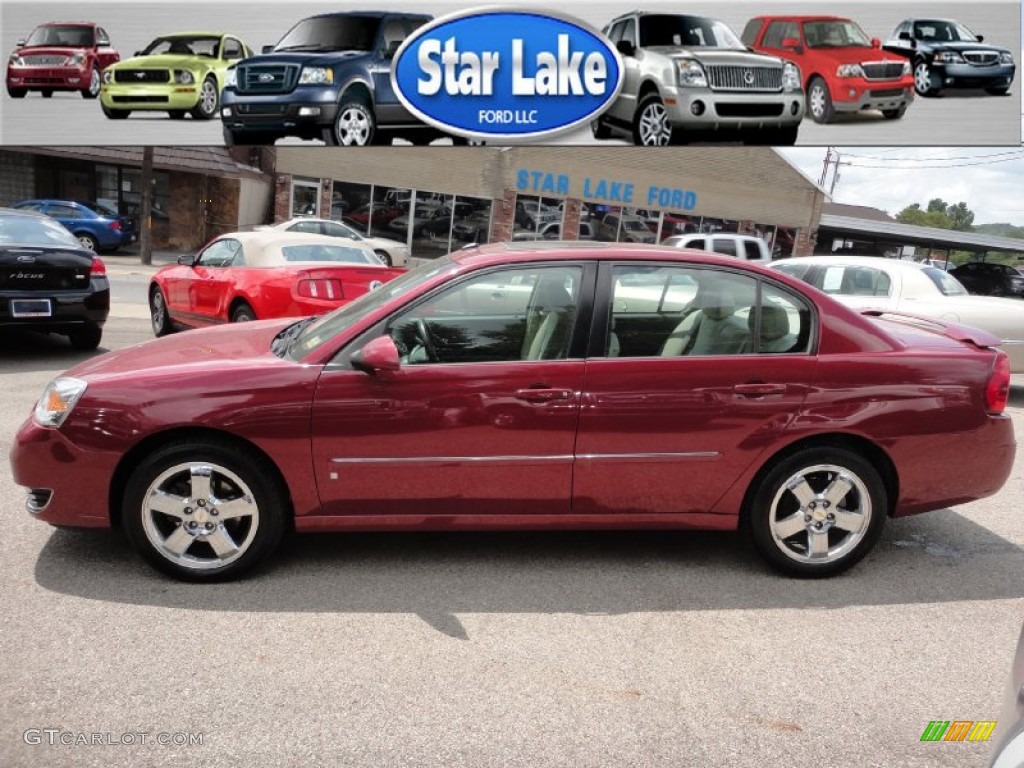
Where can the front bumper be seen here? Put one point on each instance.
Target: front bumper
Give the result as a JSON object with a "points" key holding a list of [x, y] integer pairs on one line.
{"points": [[68, 486], [304, 111], [157, 97], [703, 108], [971, 76], [855, 94], [48, 78]]}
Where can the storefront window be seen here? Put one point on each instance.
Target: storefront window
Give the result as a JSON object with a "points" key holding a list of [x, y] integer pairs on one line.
{"points": [[431, 224], [348, 200], [305, 198], [388, 204], [472, 222]]}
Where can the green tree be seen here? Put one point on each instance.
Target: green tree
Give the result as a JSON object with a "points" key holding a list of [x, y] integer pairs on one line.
{"points": [[939, 214]]}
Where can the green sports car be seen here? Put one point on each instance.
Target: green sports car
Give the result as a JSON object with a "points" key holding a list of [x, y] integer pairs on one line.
{"points": [[178, 74]]}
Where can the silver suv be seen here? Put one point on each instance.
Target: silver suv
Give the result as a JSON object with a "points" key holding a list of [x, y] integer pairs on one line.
{"points": [[690, 78]]}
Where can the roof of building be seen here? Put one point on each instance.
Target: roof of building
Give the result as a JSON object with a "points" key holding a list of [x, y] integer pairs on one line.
{"points": [[910, 234], [856, 211], [216, 161]]}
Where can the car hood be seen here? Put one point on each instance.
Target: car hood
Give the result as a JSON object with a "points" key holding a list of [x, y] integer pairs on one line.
{"points": [[328, 59], [854, 55], [219, 348], [164, 61], [50, 50], [962, 46], [723, 56]]}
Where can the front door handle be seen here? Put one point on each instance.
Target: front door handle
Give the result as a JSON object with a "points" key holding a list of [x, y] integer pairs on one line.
{"points": [[543, 395], [759, 389]]}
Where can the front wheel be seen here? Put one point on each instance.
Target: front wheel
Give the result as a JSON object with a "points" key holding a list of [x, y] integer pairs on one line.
{"points": [[384, 256], [243, 313], [819, 102], [600, 130], [248, 138], [894, 114], [16, 93], [93, 89], [116, 114], [651, 125], [47, 93], [923, 79], [997, 91], [355, 125], [177, 114], [204, 510], [818, 512], [86, 339], [209, 100]]}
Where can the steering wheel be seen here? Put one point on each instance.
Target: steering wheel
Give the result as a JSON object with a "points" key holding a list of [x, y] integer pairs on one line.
{"points": [[423, 334]]}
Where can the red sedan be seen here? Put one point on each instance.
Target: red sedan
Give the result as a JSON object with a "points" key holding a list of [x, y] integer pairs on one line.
{"points": [[529, 386], [261, 275]]}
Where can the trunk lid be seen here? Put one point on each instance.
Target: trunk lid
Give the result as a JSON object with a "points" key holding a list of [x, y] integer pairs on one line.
{"points": [[355, 281], [33, 267], [915, 330]]}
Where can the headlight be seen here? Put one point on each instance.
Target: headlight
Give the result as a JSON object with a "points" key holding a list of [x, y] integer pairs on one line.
{"points": [[75, 60], [316, 76], [58, 399], [183, 77], [15, 61], [850, 70], [108, 76], [790, 77], [231, 78], [1006, 57], [691, 73], [948, 57], [907, 69]]}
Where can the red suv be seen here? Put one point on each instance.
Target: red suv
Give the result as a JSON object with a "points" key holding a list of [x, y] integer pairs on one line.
{"points": [[843, 69], [60, 56]]}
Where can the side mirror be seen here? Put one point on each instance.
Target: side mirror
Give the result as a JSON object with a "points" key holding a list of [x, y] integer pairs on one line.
{"points": [[381, 354], [876, 43], [981, 38], [267, 49], [138, 53], [626, 48], [187, 260], [21, 42], [391, 49], [904, 35]]}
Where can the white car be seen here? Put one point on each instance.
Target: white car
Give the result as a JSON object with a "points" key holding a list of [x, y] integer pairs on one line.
{"points": [[873, 282], [391, 252]]}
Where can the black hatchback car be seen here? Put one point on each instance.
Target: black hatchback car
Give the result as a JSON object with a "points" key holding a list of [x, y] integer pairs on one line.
{"points": [[49, 282], [990, 279], [946, 54]]}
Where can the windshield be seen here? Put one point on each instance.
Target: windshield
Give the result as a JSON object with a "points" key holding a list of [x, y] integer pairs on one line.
{"points": [[943, 32], [184, 45], [945, 282], [65, 35], [687, 31], [29, 230], [334, 253], [102, 209], [330, 325], [835, 34], [325, 33]]}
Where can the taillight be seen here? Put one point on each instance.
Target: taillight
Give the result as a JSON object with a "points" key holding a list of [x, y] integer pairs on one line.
{"points": [[997, 390], [98, 268], [115, 224], [320, 289]]}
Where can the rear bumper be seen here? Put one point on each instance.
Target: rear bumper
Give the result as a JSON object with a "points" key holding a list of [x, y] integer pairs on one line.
{"points": [[48, 78], [70, 309]]}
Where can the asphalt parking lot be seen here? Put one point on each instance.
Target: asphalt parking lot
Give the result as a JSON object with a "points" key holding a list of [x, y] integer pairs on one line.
{"points": [[538, 649]]}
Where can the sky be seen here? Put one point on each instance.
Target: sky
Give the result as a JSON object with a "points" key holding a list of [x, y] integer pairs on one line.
{"points": [[990, 180]]}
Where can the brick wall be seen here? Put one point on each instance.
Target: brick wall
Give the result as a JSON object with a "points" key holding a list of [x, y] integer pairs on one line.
{"points": [[571, 219], [187, 213], [804, 242], [283, 197], [17, 177], [503, 214]]}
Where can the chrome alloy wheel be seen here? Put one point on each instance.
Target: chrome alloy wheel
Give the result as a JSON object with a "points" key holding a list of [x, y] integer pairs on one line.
{"points": [[820, 514], [353, 127], [208, 97], [922, 78], [200, 516], [655, 130], [817, 100], [157, 311], [94, 83]]}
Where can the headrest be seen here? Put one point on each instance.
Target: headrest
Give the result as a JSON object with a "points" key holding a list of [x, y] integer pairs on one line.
{"points": [[550, 295], [774, 322], [717, 302]]}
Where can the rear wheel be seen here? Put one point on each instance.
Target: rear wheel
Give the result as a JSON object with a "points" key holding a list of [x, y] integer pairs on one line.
{"points": [[204, 510], [92, 90], [243, 313], [818, 512], [159, 316], [209, 100], [86, 339], [819, 101], [354, 126]]}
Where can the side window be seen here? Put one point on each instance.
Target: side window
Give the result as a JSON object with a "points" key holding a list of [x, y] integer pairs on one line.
{"points": [[782, 325], [777, 32], [312, 227], [31, 207], [856, 281], [218, 254], [102, 38], [629, 31], [502, 316], [337, 230], [395, 31], [671, 311], [793, 270], [60, 211], [700, 244], [615, 33], [725, 246], [232, 49], [749, 36]]}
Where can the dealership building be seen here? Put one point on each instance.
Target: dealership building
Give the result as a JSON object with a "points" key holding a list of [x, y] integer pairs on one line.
{"points": [[487, 194]]}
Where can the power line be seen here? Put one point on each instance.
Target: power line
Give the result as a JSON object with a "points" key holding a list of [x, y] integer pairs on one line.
{"points": [[1013, 153], [936, 167]]}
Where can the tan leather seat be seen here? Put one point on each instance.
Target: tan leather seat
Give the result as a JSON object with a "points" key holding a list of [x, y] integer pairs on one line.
{"points": [[548, 321], [711, 330], [775, 335]]}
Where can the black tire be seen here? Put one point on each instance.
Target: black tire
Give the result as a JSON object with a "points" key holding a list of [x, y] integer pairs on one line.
{"points": [[159, 314], [462, 141], [87, 338], [819, 101], [894, 114], [17, 93], [772, 136], [255, 537], [354, 126], [116, 114], [599, 128], [47, 93], [177, 114], [243, 313], [93, 89], [384, 256], [421, 139], [773, 504], [248, 138], [998, 91], [209, 100], [651, 127], [923, 82], [88, 241]]}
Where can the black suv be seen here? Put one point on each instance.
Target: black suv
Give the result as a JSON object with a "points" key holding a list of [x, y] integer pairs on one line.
{"points": [[990, 279], [328, 78]]}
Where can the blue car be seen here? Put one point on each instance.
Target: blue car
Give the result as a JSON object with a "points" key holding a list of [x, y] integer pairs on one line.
{"points": [[96, 226]]}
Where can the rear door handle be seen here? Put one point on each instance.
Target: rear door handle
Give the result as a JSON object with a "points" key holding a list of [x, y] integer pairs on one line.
{"points": [[759, 389], [542, 395]]}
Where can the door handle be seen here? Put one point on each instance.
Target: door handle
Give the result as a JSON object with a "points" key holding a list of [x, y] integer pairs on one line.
{"points": [[759, 389], [543, 395]]}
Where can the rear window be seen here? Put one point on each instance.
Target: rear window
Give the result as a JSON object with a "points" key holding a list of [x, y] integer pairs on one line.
{"points": [[328, 253], [945, 282], [28, 230]]}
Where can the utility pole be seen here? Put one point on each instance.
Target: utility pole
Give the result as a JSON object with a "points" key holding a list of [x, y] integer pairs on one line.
{"points": [[145, 224], [832, 159]]}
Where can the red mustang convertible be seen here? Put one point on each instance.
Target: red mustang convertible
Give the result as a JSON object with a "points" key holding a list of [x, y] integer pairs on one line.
{"points": [[529, 385]]}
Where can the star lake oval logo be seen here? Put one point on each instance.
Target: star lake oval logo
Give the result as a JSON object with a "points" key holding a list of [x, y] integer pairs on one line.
{"points": [[502, 73], [748, 76]]}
